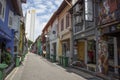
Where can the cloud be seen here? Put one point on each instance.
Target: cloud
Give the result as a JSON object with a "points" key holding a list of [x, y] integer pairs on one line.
{"points": [[58, 2], [39, 26], [44, 10]]}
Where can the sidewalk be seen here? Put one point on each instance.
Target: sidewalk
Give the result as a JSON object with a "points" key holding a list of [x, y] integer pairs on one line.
{"points": [[81, 72], [95, 76]]}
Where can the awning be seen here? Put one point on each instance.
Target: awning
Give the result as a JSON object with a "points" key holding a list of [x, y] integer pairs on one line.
{"points": [[4, 35], [17, 6]]}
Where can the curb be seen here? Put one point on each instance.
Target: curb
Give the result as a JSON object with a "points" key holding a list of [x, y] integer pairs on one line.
{"points": [[89, 72]]}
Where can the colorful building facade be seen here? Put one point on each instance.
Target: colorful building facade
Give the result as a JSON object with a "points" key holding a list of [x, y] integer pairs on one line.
{"points": [[109, 45], [84, 37], [64, 30]]}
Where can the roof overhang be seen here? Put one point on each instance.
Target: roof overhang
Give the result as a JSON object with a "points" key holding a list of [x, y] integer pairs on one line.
{"points": [[17, 5], [23, 1], [62, 6]]}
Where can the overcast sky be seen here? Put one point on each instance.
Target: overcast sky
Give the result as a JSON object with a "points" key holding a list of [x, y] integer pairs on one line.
{"points": [[44, 10]]}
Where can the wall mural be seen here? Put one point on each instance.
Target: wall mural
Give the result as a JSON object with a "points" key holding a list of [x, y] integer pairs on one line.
{"points": [[102, 56], [108, 11]]}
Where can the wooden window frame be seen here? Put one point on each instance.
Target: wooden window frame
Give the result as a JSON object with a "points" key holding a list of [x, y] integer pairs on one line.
{"points": [[62, 24]]}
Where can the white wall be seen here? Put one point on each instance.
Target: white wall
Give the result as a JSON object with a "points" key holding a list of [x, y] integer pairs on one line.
{"points": [[30, 25], [57, 46], [54, 28], [53, 37]]}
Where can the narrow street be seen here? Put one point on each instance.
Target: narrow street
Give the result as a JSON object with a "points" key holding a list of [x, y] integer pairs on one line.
{"points": [[35, 67]]}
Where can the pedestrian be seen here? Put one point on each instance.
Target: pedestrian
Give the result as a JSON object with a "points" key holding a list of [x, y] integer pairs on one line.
{"points": [[44, 53]]}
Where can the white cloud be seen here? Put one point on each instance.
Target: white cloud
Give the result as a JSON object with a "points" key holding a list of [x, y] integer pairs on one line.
{"points": [[39, 27], [41, 8], [46, 16], [58, 2]]}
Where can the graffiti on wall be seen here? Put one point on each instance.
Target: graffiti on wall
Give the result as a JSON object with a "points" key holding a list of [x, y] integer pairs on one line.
{"points": [[103, 57], [108, 11]]}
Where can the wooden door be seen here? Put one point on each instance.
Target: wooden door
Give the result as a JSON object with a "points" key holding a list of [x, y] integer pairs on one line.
{"points": [[81, 50]]}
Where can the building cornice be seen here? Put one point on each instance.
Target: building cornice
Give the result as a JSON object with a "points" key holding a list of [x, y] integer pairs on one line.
{"points": [[17, 5]]}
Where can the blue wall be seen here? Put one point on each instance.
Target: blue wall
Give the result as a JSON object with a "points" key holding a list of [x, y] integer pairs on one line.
{"points": [[4, 27]]}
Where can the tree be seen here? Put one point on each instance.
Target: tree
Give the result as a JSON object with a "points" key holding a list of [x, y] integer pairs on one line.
{"points": [[29, 43]]}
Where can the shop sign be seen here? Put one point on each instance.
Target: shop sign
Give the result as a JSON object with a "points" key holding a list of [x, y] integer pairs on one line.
{"points": [[54, 32]]}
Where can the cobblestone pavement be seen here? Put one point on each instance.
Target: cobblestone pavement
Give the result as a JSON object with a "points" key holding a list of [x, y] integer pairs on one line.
{"points": [[35, 67]]}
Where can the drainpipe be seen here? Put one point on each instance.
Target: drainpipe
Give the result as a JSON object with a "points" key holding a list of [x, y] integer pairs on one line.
{"points": [[96, 32], [72, 41]]}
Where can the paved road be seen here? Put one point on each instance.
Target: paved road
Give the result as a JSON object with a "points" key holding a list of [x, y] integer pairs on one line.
{"points": [[37, 68]]}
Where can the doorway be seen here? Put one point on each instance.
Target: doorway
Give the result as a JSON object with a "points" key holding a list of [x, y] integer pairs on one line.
{"points": [[111, 54], [91, 52], [81, 51], [54, 50], [64, 48]]}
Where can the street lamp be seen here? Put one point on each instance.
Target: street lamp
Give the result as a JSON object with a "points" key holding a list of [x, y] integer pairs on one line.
{"points": [[46, 35]]}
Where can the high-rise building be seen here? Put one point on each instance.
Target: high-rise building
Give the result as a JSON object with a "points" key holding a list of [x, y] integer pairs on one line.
{"points": [[30, 24]]}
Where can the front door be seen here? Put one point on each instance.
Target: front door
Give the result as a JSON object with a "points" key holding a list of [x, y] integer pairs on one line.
{"points": [[54, 49], [81, 51], [64, 48]]}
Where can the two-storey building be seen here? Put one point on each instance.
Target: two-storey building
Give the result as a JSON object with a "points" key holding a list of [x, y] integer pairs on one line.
{"points": [[109, 36], [83, 27], [10, 12], [64, 30]]}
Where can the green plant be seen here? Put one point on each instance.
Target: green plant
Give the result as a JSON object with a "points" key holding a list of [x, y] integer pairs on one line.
{"points": [[7, 58]]}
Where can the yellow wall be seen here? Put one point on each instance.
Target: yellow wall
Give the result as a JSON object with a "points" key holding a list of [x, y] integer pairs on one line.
{"points": [[22, 31], [61, 16], [65, 34], [59, 48]]}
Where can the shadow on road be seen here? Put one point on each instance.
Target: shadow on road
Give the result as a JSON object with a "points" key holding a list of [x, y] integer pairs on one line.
{"points": [[80, 73]]}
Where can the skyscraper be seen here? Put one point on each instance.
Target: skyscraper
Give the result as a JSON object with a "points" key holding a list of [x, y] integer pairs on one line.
{"points": [[30, 24]]}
